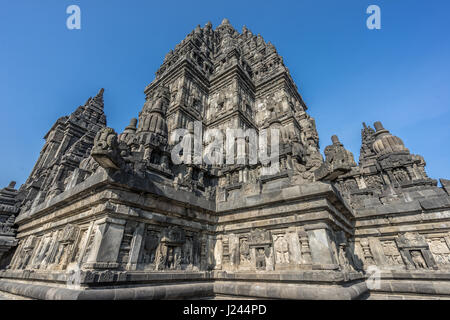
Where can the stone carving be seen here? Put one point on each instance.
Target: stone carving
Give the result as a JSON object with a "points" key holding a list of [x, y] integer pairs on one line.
{"points": [[244, 251], [259, 237], [344, 261], [106, 149], [304, 247], [374, 181], [151, 243], [418, 259], [392, 254], [281, 249], [440, 249], [68, 234], [415, 250], [338, 161], [260, 259]]}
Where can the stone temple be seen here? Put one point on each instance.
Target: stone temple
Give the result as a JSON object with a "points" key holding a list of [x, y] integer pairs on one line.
{"points": [[111, 216]]}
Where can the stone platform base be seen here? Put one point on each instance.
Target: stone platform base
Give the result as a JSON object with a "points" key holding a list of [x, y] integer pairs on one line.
{"points": [[307, 285], [412, 285]]}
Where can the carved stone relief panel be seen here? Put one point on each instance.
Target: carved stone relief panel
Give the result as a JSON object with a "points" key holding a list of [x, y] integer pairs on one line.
{"points": [[418, 259], [81, 243], [244, 253], [393, 256], [260, 244], [225, 250], [440, 250], [125, 246], [188, 253], [89, 244], [148, 249], [281, 248]]}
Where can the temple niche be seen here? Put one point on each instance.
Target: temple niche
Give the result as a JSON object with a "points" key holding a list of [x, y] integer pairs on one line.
{"points": [[105, 209]]}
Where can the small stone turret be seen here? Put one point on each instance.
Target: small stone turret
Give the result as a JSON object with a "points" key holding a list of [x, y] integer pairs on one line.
{"points": [[8, 212], [385, 142], [152, 126], [338, 161]]}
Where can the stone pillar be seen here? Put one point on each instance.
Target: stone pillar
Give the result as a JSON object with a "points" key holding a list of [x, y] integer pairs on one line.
{"points": [[305, 249], [211, 245], [367, 254], [136, 244], [320, 245], [234, 251], [218, 251], [377, 251], [294, 246], [105, 247], [85, 244]]}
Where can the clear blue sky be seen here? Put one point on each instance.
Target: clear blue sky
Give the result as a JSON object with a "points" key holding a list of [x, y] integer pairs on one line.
{"points": [[346, 73]]}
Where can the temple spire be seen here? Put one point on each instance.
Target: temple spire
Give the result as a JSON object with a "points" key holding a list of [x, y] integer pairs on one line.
{"points": [[97, 102]]}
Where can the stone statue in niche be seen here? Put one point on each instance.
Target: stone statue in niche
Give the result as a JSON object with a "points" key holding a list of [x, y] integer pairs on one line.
{"points": [[344, 261], [161, 257], [260, 259], [177, 258], [187, 178], [201, 179], [187, 251], [244, 251], [150, 245], [173, 258], [170, 262], [418, 259], [281, 249], [165, 163]]}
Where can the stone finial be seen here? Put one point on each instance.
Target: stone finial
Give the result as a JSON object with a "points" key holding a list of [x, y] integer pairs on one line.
{"points": [[100, 93], [97, 101], [133, 122], [338, 161], [335, 139], [225, 21], [385, 142], [132, 126], [190, 127], [378, 126], [12, 184]]}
